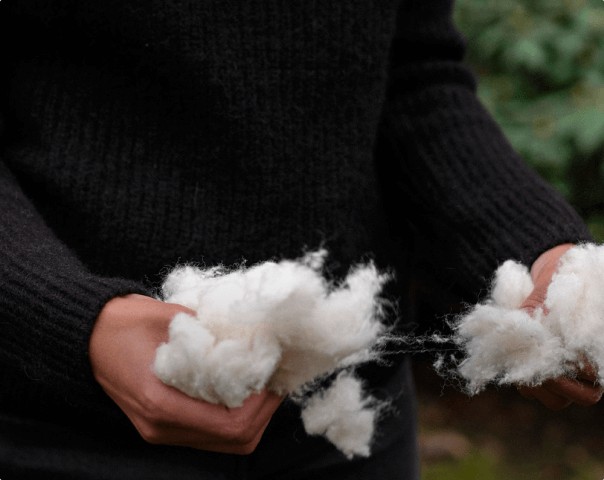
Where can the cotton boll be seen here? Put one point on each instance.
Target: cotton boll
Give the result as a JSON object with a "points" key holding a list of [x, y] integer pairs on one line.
{"points": [[343, 415], [512, 285]]}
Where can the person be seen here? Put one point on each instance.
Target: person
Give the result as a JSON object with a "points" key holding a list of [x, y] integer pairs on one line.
{"points": [[137, 136]]}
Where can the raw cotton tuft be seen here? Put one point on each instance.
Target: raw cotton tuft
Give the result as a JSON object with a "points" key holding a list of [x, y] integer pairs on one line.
{"points": [[343, 414], [506, 345], [281, 326]]}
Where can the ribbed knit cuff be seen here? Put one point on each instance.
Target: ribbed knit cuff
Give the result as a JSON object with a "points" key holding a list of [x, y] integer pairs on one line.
{"points": [[49, 302], [51, 320]]}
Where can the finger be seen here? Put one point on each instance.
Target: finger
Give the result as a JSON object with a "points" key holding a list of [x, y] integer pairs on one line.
{"points": [[170, 409], [260, 407], [184, 438], [536, 299], [547, 398], [588, 373], [582, 393], [180, 410], [206, 426]]}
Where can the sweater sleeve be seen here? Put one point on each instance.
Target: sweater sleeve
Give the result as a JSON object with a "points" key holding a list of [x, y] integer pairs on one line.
{"points": [[48, 305], [470, 199]]}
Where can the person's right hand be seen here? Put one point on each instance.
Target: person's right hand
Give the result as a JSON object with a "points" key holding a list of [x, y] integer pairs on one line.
{"points": [[558, 393], [122, 350]]}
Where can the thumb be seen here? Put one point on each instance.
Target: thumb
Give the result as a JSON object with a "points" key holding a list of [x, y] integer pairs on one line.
{"points": [[536, 299], [542, 272]]}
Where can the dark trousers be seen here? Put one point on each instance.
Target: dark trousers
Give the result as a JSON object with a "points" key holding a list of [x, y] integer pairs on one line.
{"points": [[34, 449]]}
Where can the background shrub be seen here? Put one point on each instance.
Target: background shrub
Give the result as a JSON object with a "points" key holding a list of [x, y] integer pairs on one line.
{"points": [[541, 69]]}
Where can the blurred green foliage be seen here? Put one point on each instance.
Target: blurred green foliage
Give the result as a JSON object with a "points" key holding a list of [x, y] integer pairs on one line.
{"points": [[540, 65], [480, 465], [476, 466], [541, 70]]}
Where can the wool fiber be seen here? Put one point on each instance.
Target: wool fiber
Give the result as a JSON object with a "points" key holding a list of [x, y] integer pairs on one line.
{"points": [[281, 326], [507, 345]]}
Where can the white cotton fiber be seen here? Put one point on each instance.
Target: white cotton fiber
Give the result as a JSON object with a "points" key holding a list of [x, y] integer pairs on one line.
{"points": [[512, 285], [575, 302], [510, 346], [276, 325], [194, 359], [183, 284], [344, 415], [323, 330]]}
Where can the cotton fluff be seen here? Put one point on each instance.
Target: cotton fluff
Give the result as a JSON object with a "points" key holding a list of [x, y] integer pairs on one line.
{"points": [[576, 305], [343, 414], [276, 325], [507, 345]]}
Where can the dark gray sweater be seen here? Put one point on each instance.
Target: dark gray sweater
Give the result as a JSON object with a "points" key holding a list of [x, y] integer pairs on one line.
{"points": [[137, 134]]}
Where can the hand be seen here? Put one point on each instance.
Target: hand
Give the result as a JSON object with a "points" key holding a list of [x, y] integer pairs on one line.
{"points": [[561, 392], [122, 350]]}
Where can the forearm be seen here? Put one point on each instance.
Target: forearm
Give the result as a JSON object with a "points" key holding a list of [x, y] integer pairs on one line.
{"points": [[48, 302], [473, 200]]}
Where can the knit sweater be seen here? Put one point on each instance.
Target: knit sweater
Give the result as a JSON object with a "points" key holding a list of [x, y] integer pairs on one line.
{"points": [[138, 135]]}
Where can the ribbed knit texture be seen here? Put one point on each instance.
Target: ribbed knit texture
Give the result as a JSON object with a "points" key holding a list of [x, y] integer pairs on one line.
{"points": [[471, 199], [141, 134]]}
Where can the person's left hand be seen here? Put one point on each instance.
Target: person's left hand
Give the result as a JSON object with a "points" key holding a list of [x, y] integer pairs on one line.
{"points": [[561, 392], [123, 345]]}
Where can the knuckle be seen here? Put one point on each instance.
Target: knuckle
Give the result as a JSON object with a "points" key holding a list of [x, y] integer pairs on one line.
{"points": [[239, 431], [149, 433], [150, 407], [248, 448], [593, 398], [237, 436]]}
